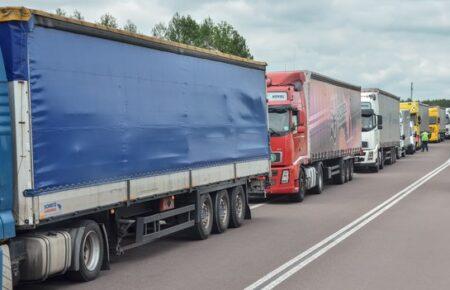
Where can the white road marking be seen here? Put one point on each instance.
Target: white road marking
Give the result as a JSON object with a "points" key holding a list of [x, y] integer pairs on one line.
{"points": [[257, 205], [291, 267]]}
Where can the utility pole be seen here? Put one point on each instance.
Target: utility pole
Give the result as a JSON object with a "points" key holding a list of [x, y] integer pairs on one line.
{"points": [[412, 89]]}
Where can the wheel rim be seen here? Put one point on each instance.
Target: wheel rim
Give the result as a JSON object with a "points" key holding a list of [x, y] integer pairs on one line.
{"points": [[223, 210], [239, 205], [91, 250], [205, 215]]}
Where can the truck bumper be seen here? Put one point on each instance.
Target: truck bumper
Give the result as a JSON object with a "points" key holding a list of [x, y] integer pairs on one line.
{"points": [[277, 187], [369, 159]]}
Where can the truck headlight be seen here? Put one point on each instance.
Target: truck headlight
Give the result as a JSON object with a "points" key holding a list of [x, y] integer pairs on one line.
{"points": [[370, 156], [285, 176]]}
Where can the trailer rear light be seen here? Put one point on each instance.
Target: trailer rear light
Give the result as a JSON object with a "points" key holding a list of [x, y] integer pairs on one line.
{"points": [[285, 176]]}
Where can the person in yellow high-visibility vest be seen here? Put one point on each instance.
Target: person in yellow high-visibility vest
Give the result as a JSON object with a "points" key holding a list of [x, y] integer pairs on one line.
{"points": [[424, 136]]}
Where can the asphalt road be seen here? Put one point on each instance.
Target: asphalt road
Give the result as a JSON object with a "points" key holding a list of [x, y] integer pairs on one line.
{"points": [[402, 245]]}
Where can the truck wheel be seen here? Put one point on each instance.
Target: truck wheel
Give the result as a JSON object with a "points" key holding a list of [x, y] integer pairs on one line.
{"points": [[340, 178], [299, 196], [237, 207], [352, 169], [347, 170], [319, 187], [203, 226], [394, 158], [382, 160], [221, 204], [90, 253]]}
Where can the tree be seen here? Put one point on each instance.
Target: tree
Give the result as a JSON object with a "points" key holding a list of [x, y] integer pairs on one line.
{"points": [[443, 103], [108, 20], [60, 12], [130, 27], [77, 15], [206, 34]]}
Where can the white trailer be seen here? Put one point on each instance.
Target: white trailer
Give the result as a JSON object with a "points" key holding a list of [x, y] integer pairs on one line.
{"points": [[424, 117], [406, 134]]}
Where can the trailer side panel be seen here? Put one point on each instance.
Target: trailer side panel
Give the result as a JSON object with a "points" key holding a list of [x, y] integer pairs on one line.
{"points": [[334, 119]]}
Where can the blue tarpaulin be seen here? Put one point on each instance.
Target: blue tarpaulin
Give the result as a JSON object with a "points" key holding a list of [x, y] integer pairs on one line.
{"points": [[104, 110]]}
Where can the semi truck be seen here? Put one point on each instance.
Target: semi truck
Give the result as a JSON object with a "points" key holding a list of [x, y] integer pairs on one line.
{"points": [[406, 134], [380, 129], [110, 140], [437, 122], [419, 115], [314, 124]]}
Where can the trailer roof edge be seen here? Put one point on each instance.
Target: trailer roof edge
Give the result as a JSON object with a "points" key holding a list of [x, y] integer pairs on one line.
{"points": [[368, 90], [320, 77], [49, 20]]}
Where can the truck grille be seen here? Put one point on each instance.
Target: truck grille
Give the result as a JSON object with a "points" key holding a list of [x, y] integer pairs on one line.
{"points": [[365, 144]]}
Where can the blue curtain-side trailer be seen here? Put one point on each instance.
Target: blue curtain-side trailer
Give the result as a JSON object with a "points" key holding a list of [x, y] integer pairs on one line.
{"points": [[109, 140]]}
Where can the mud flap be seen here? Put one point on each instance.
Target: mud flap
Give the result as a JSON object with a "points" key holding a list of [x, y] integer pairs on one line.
{"points": [[5, 262]]}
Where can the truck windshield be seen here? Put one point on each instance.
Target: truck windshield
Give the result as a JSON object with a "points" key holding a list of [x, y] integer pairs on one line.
{"points": [[278, 121], [433, 120], [368, 123]]}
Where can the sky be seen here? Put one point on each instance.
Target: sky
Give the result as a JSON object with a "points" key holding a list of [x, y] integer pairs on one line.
{"points": [[372, 43]]}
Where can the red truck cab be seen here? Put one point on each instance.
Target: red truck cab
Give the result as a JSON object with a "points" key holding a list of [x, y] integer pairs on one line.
{"points": [[288, 131]]}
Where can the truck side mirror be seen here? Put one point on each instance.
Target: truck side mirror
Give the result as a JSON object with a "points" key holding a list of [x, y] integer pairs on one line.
{"points": [[403, 137], [380, 121], [419, 120], [301, 129]]}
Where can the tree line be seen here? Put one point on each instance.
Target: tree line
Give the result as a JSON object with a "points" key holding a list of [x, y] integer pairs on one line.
{"points": [[443, 103], [184, 29]]}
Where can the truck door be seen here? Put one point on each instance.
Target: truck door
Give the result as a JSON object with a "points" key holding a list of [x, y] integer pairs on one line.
{"points": [[6, 152]]}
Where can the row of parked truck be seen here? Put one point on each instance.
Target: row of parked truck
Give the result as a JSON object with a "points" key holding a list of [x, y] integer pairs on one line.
{"points": [[110, 140]]}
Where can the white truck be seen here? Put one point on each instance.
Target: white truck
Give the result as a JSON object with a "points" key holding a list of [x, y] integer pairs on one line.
{"points": [[380, 129], [406, 134]]}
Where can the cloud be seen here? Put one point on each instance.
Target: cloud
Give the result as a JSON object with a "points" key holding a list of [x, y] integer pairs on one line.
{"points": [[372, 43]]}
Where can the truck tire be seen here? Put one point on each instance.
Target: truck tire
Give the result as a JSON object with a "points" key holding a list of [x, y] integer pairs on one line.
{"points": [[299, 196], [340, 178], [90, 253], [238, 203], [382, 160], [203, 226], [221, 203], [347, 170], [394, 156], [352, 169], [318, 189]]}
